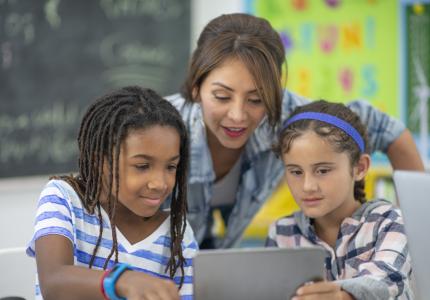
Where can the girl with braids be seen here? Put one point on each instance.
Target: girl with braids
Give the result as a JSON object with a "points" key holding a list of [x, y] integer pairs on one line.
{"points": [[102, 233], [232, 103], [325, 152]]}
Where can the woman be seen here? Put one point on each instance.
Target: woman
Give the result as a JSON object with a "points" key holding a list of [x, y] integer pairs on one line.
{"points": [[232, 102]]}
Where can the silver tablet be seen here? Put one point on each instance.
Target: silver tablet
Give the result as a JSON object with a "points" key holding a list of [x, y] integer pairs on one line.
{"points": [[255, 273], [413, 190]]}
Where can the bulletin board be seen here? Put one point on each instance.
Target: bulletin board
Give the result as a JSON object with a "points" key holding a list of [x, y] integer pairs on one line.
{"points": [[339, 50]]}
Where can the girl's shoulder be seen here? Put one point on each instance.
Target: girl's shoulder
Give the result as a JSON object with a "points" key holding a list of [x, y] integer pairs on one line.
{"points": [[380, 207], [379, 211], [59, 184], [59, 190]]}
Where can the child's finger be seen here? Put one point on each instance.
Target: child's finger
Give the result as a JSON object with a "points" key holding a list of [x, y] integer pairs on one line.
{"points": [[318, 287], [319, 296]]}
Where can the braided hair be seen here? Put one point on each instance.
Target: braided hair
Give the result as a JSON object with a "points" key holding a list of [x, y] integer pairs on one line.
{"points": [[339, 139], [104, 127]]}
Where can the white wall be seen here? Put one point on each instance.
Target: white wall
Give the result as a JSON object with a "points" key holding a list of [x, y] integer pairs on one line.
{"points": [[202, 11]]}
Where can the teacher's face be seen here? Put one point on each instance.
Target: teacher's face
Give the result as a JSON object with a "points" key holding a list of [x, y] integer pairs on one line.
{"points": [[232, 108]]}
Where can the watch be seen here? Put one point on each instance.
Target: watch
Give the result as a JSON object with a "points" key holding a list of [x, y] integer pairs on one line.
{"points": [[110, 280]]}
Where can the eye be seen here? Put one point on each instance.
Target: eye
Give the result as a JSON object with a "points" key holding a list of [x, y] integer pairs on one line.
{"points": [[142, 167], [256, 101], [222, 98], [323, 171], [221, 95], [295, 172], [172, 167]]}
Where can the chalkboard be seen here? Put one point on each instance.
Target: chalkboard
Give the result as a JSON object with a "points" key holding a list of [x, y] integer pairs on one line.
{"points": [[417, 62], [56, 56]]}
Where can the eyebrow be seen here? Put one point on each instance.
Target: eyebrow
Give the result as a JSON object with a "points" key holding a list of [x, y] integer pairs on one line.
{"points": [[230, 89], [292, 165], [314, 165], [149, 157]]}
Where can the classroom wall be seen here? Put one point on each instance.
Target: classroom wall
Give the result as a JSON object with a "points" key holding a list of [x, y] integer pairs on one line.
{"points": [[18, 196]]}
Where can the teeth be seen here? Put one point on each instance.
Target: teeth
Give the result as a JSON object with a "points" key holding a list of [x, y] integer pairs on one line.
{"points": [[235, 129]]}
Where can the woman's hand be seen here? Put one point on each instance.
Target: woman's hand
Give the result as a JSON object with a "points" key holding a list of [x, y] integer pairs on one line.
{"points": [[140, 286], [321, 290]]}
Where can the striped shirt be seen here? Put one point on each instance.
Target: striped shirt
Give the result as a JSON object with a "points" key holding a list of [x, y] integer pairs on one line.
{"points": [[371, 258], [60, 211]]}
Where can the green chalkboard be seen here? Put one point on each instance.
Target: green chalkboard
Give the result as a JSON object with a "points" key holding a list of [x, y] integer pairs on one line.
{"points": [[56, 56], [417, 61]]}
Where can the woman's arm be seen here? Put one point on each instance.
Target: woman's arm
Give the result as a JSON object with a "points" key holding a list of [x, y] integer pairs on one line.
{"points": [[60, 279], [388, 135], [403, 153]]}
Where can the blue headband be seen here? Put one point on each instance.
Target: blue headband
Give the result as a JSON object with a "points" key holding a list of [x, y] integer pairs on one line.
{"points": [[339, 123]]}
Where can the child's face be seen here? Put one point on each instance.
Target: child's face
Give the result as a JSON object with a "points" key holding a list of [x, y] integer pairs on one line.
{"points": [[231, 107], [147, 168], [320, 179]]}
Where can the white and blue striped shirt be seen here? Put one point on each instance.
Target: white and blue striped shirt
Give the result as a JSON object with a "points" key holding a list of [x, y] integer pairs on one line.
{"points": [[60, 211]]}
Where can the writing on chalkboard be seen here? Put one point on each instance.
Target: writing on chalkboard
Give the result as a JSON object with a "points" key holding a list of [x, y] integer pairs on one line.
{"points": [[134, 61], [20, 24], [37, 127], [153, 8], [56, 56]]}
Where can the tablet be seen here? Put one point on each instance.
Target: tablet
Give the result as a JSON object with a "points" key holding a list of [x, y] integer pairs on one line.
{"points": [[413, 190], [255, 273]]}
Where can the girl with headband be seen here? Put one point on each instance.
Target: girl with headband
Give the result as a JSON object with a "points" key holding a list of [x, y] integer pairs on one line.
{"points": [[325, 152]]}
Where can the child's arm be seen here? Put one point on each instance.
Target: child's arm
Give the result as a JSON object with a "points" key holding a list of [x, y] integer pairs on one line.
{"points": [[386, 274], [60, 279]]}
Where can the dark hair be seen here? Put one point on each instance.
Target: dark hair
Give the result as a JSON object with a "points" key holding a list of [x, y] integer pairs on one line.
{"points": [[104, 127], [339, 139], [249, 39]]}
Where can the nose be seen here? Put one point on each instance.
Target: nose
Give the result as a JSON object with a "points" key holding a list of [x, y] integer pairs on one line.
{"points": [[237, 111], [310, 184], [157, 182]]}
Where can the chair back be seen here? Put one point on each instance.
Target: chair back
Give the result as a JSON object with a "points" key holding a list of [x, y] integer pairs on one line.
{"points": [[18, 274]]}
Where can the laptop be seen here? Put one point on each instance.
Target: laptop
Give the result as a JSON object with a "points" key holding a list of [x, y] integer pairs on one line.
{"points": [[255, 273], [413, 191]]}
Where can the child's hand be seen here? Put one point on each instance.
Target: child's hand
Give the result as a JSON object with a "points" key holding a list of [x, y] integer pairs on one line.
{"points": [[321, 290], [140, 286]]}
